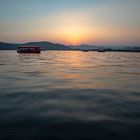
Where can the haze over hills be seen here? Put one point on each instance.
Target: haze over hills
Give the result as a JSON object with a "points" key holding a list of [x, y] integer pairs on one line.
{"points": [[107, 48], [55, 46], [49, 45], [8, 46], [43, 44]]}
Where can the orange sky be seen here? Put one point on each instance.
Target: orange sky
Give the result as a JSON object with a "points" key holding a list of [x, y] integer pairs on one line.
{"points": [[71, 22]]}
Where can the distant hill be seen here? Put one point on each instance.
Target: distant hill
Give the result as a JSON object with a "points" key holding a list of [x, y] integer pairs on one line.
{"points": [[49, 46], [106, 48], [44, 45], [54, 46], [84, 47], [8, 46]]}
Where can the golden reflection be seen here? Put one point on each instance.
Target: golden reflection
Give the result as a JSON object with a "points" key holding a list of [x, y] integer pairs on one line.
{"points": [[76, 69], [68, 64], [74, 58]]}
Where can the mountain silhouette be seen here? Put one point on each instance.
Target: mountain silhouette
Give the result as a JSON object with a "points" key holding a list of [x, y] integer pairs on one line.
{"points": [[43, 44]]}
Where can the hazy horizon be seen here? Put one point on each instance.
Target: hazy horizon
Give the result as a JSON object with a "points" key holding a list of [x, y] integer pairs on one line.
{"points": [[82, 44], [93, 22]]}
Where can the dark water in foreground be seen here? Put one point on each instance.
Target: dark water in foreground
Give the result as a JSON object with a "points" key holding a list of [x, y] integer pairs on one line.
{"points": [[69, 96]]}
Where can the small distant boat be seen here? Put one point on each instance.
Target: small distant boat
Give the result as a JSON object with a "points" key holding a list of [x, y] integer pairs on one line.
{"points": [[28, 49], [85, 50], [101, 50]]}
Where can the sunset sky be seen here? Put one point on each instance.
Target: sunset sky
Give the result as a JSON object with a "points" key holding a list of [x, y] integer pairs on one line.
{"points": [[99, 22]]}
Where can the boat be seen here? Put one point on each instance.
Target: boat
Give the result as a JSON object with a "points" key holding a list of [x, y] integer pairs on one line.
{"points": [[101, 50], [28, 49], [85, 50]]}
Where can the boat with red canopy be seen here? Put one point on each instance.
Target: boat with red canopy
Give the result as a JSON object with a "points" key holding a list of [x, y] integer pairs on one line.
{"points": [[28, 49]]}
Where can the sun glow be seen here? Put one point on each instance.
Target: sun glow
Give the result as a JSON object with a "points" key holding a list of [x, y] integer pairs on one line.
{"points": [[72, 23], [73, 35], [68, 28]]}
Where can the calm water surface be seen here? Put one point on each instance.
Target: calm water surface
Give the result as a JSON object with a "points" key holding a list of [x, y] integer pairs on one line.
{"points": [[69, 95]]}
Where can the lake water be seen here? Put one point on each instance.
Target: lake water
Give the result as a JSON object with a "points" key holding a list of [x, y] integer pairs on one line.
{"points": [[69, 95]]}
